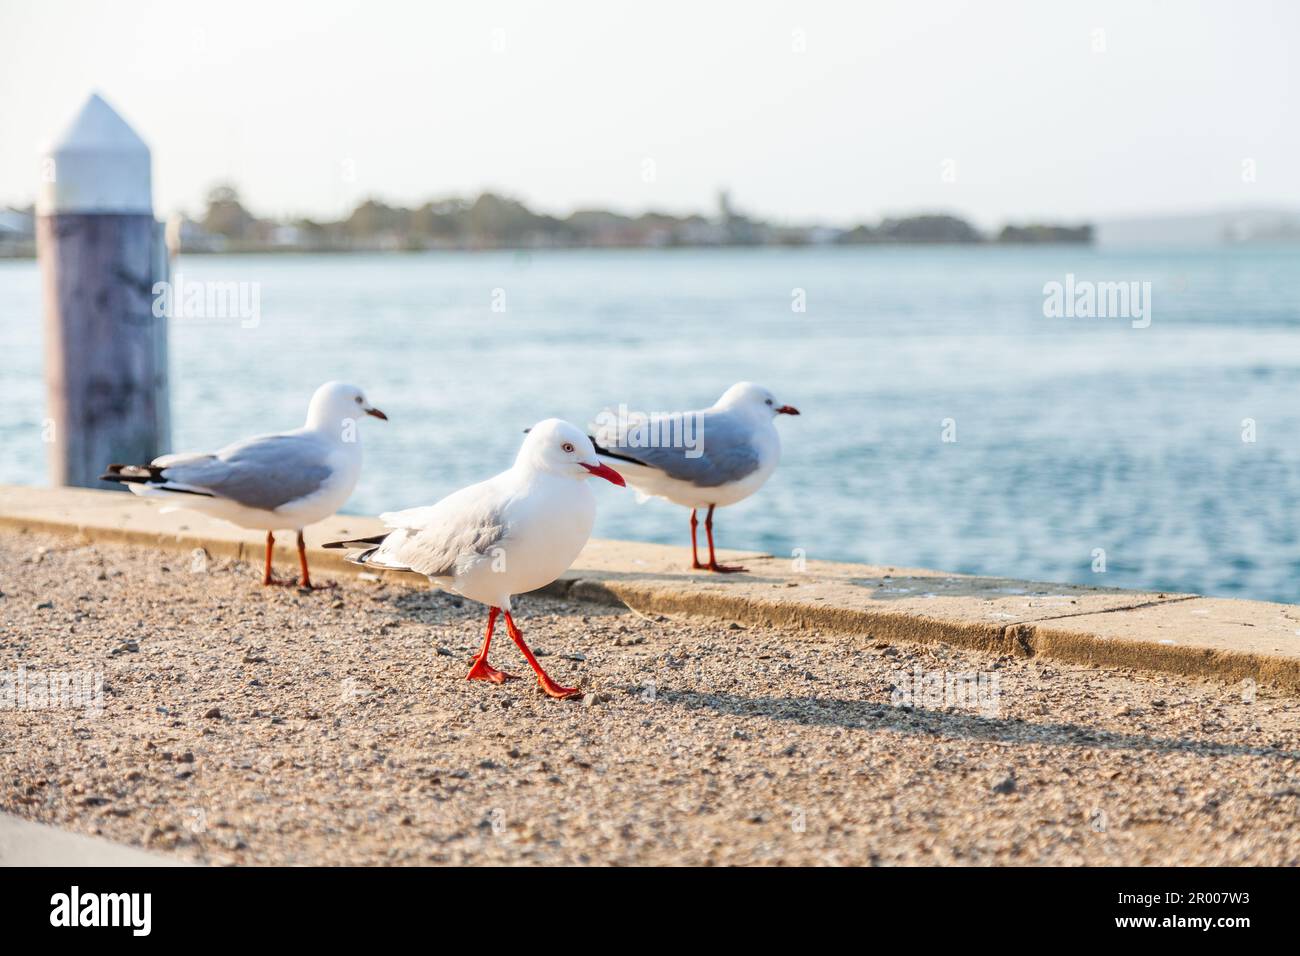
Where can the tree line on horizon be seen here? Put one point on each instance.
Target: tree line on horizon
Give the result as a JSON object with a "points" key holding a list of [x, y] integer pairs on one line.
{"points": [[492, 221]]}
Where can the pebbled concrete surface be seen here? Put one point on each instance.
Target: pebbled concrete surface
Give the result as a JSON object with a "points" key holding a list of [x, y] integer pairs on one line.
{"points": [[1150, 630], [243, 725]]}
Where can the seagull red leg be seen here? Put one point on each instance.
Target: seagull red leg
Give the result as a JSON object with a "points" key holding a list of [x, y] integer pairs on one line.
{"points": [[713, 561], [482, 670], [548, 685], [267, 576], [305, 580], [270, 545], [695, 554]]}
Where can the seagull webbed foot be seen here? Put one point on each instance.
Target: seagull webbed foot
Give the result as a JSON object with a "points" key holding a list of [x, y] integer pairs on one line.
{"points": [[552, 689], [482, 670], [309, 585]]}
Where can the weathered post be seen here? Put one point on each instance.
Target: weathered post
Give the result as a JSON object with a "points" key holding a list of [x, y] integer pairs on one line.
{"points": [[101, 252]]}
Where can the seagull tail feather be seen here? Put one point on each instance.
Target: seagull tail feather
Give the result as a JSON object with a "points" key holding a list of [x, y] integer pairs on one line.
{"points": [[370, 542], [369, 546], [134, 474], [151, 475], [362, 557]]}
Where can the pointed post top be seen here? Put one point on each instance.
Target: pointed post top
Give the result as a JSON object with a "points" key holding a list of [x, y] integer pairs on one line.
{"points": [[98, 127], [98, 164]]}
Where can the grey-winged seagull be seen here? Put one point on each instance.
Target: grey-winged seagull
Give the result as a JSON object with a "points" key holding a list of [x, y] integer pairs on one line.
{"points": [[513, 533], [286, 480], [737, 448]]}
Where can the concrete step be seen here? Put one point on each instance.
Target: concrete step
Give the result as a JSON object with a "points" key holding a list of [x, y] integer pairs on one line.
{"points": [[1181, 633]]}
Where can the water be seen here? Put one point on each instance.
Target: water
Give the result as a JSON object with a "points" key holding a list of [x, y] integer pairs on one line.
{"points": [[1072, 434]]}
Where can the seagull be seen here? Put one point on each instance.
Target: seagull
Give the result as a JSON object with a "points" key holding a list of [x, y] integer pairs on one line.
{"points": [[736, 449], [285, 480], [513, 533]]}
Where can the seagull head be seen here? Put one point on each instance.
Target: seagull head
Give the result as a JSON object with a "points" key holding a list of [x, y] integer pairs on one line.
{"points": [[564, 449], [756, 399], [337, 403]]}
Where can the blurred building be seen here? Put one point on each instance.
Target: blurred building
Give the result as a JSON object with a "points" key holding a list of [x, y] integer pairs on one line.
{"points": [[17, 233]]}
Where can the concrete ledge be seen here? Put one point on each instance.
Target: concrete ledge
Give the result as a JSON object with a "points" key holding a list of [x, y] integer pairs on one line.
{"points": [[1178, 633], [23, 843]]}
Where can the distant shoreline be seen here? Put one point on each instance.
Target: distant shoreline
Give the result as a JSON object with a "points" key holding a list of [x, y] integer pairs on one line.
{"points": [[28, 250], [29, 255], [494, 222]]}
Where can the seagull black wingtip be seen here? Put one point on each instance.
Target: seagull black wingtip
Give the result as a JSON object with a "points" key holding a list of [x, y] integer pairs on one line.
{"points": [[357, 542], [618, 456]]}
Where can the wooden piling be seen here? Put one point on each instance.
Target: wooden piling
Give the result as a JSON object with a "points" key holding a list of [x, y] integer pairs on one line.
{"points": [[101, 253]]}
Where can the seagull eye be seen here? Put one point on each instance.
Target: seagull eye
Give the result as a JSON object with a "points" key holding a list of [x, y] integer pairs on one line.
{"points": [[568, 447], [769, 401], [359, 400]]}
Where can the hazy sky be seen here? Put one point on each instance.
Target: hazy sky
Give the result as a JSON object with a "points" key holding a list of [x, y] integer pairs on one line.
{"points": [[830, 111]]}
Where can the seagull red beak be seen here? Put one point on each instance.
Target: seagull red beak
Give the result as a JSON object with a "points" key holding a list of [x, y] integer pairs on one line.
{"points": [[606, 472], [377, 413], [787, 410]]}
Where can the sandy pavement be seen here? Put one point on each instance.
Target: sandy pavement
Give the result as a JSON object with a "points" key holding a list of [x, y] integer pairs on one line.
{"points": [[250, 725]]}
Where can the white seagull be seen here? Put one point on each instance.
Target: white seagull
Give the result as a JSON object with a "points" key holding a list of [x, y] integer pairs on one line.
{"points": [[287, 480], [709, 458], [513, 533]]}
